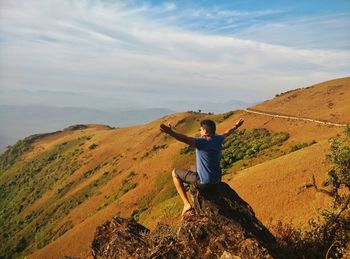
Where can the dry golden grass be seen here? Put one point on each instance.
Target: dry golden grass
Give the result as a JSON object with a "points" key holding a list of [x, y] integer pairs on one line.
{"points": [[328, 101], [130, 143], [271, 187]]}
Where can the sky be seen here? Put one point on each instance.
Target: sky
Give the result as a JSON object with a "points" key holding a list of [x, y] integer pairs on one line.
{"points": [[171, 53]]}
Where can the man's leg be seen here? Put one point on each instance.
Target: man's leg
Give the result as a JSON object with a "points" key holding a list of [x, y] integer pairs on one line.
{"points": [[182, 192]]}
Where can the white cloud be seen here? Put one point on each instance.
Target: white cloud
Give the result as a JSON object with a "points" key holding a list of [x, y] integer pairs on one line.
{"points": [[235, 13], [112, 48], [169, 6], [322, 32]]}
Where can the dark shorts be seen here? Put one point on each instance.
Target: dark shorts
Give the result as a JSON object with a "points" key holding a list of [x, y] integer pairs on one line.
{"points": [[191, 177], [187, 176]]}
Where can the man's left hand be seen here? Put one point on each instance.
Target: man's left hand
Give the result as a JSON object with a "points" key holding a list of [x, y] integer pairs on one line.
{"points": [[239, 123]]}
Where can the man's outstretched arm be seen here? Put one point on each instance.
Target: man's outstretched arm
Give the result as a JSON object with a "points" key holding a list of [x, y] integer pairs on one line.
{"points": [[180, 137], [230, 131]]}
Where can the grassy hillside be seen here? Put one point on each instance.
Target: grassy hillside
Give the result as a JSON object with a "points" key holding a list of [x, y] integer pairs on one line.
{"points": [[57, 188], [327, 101]]}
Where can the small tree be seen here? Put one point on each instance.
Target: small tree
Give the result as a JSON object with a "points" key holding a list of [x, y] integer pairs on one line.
{"points": [[339, 174], [334, 234]]}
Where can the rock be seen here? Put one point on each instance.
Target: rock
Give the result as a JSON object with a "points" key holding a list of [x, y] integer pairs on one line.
{"points": [[119, 238], [221, 200], [227, 255], [222, 225]]}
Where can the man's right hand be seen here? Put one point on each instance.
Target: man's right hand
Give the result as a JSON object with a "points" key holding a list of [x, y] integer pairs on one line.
{"points": [[180, 137], [166, 129]]}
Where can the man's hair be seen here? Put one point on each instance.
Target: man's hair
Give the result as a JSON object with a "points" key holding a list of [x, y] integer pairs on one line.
{"points": [[209, 126]]}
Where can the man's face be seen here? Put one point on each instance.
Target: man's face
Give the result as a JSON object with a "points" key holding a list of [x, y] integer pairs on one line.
{"points": [[203, 132]]}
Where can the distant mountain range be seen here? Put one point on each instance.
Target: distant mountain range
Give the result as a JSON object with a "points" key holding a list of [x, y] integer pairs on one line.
{"points": [[17, 121], [115, 101], [26, 112]]}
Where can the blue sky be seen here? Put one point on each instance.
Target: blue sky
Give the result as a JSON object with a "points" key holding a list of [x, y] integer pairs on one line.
{"points": [[172, 53]]}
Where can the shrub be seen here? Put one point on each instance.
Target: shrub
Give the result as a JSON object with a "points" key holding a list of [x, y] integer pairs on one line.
{"points": [[300, 146], [146, 154], [92, 146], [153, 149], [12, 153], [329, 236], [136, 213], [248, 143], [347, 130], [131, 174], [88, 173], [339, 174], [65, 189], [128, 187], [186, 150]]}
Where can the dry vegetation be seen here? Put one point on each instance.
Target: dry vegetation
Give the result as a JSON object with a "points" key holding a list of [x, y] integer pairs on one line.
{"points": [[328, 101], [70, 182]]}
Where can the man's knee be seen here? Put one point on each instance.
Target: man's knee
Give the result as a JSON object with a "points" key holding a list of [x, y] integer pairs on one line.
{"points": [[173, 173]]}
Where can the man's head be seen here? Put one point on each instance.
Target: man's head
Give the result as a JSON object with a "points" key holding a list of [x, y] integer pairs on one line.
{"points": [[208, 128]]}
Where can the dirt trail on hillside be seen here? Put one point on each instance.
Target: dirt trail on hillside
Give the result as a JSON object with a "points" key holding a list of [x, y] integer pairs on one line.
{"points": [[276, 115]]}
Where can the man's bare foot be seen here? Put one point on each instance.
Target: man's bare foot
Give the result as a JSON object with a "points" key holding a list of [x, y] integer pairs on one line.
{"points": [[187, 207]]}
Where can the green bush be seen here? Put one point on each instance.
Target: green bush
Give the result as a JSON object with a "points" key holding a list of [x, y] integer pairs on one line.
{"points": [[248, 143], [300, 146], [93, 146], [12, 153], [339, 174]]}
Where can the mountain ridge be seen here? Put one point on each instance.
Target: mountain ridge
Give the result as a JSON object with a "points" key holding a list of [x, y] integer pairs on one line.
{"points": [[102, 172], [332, 105], [18, 121]]}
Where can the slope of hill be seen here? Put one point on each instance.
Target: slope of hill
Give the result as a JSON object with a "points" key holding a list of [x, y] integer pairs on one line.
{"points": [[57, 188], [327, 101]]}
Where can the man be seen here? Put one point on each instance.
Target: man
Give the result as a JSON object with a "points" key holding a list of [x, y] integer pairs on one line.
{"points": [[208, 153]]}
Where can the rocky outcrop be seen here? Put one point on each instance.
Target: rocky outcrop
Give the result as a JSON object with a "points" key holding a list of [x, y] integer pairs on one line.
{"points": [[222, 225], [120, 238]]}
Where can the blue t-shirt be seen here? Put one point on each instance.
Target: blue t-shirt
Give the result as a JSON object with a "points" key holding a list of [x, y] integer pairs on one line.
{"points": [[208, 154]]}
